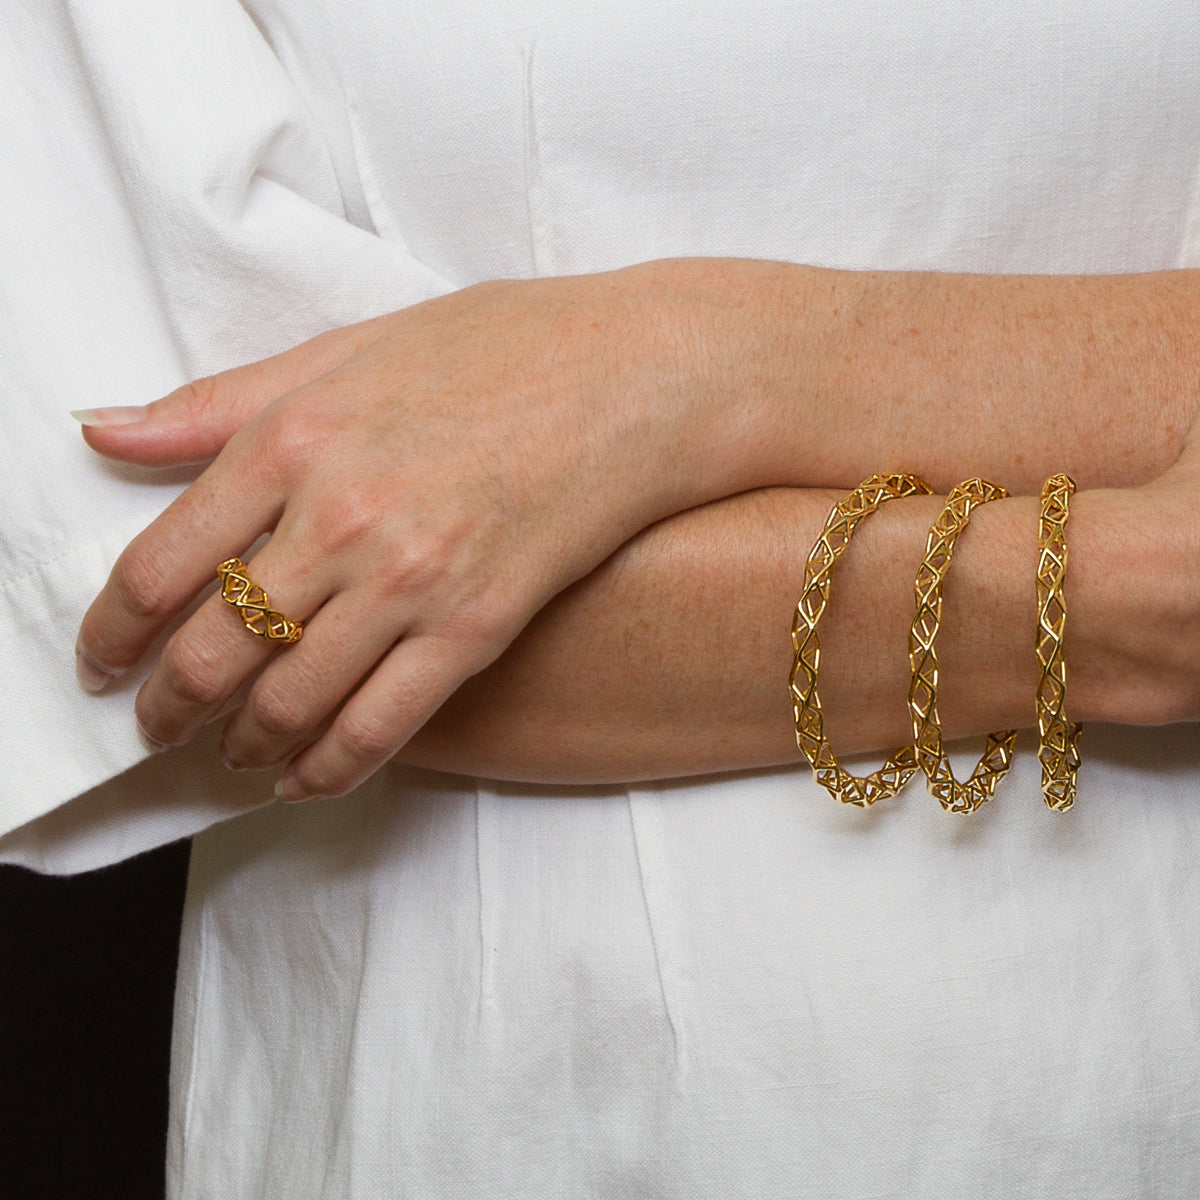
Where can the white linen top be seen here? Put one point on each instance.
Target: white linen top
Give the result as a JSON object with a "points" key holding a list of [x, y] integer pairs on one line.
{"points": [[727, 987]]}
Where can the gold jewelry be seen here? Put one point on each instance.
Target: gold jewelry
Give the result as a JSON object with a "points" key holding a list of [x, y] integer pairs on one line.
{"points": [[1058, 748], [254, 605], [922, 693], [806, 703]]}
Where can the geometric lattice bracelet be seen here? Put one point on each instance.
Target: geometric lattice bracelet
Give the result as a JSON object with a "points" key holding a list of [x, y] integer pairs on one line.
{"points": [[1058, 741], [806, 701], [922, 696], [1058, 738]]}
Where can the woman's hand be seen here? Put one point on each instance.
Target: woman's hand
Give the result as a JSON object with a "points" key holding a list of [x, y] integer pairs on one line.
{"points": [[429, 480]]}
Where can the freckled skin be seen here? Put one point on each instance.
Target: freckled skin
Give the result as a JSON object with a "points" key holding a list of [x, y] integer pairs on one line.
{"points": [[624, 474]]}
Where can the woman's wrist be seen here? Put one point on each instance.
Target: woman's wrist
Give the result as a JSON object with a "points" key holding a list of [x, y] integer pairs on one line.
{"points": [[806, 376], [673, 657], [738, 352], [1133, 629]]}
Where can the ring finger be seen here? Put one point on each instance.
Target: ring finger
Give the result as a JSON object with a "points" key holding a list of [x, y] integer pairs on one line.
{"points": [[209, 657]]}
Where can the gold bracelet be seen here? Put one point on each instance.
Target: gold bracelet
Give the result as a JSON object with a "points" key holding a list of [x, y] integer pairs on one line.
{"points": [[922, 694], [806, 702], [1059, 738]]}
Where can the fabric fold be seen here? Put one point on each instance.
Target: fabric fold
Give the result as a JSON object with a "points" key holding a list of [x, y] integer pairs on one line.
{"points": [[170, 181]]}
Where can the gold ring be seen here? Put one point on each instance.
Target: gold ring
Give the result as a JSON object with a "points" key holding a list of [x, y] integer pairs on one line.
{"points": [[254, 605]]}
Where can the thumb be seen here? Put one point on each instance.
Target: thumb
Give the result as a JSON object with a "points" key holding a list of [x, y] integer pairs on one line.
{"points": [[193, 423]]}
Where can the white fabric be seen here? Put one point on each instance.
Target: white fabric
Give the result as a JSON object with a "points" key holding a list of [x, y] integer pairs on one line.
{"points": [[725, 988], [169, 210]]}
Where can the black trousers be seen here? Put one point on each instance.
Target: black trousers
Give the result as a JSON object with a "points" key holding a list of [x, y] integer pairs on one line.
{"points": [[87, 972]]}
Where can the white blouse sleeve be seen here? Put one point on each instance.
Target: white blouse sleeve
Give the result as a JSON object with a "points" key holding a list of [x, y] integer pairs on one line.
{"points": [[171, 208]]}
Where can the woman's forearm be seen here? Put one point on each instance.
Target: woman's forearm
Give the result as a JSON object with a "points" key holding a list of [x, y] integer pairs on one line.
{"points": [[673, 658], [435, 478], [826, 376]]}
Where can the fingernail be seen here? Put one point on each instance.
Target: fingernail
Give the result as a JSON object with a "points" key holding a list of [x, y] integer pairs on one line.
{"points": [[90, 676], [126, 414], [228, 762], [90, 673], [155, 747], [289, 790]]}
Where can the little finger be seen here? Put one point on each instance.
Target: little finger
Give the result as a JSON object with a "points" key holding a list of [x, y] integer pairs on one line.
{"points": [[298, 690], [403, 691]]}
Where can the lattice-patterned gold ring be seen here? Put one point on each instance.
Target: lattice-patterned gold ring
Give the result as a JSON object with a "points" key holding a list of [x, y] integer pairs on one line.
{"points": [[254, 605], [922, 694], [806, 702], [1059, 738]]}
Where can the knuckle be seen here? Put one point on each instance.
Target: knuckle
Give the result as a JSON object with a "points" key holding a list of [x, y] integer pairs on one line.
{"points": [[411, 568], [346, 524], [282, 714], [141, 585], [199, 396], [286, 442], [194, 672], [365, 739]]}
